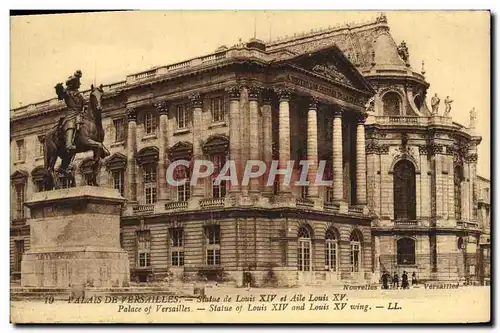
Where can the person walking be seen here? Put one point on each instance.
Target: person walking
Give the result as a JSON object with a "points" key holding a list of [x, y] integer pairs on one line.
{"points": [[395, 281], [404, 281], [385, 280], [413, 278]]}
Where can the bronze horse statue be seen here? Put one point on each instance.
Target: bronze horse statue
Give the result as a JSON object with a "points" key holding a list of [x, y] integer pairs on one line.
{"points": [[88, 137]]}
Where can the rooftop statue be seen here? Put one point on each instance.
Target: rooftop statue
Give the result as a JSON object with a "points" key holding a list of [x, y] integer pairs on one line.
{"points": [[447, 106], [473, 117], [403, 52], [79, 131], [435, 100]]}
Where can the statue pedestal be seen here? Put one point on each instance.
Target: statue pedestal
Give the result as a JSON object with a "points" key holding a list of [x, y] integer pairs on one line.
{"points": [[75, 239]]}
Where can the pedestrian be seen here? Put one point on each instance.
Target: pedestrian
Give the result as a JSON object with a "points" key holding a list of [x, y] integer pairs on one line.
{"points": [[385, 279], [404, 280], [395, 281], [413, 278]]}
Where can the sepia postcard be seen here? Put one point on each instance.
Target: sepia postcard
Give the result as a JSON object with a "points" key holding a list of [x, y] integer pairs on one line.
{"points": [[250, 167]]}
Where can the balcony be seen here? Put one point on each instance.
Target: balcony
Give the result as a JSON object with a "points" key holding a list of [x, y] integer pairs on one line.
{"points": [[212, 203], [413, 120], [355, 210], [405, 223], [467, 225], [144, 209], [304, 203], [176, 205], [331, 206]]}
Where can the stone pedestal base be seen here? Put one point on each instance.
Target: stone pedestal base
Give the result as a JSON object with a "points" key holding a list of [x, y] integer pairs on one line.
{"points": [[75, 268], [75, 240]]}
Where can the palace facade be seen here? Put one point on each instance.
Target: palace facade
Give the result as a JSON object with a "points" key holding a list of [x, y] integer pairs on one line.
{"points": [[405, 193]]}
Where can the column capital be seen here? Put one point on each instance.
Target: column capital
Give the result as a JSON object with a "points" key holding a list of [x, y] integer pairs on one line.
{"points": [[267, 97], [132, 115], [196, 101], [284, 94], [337, 113], [471, 158], [162, 107], [234, 92], [254, 92], [313, 103], [361, 118]]}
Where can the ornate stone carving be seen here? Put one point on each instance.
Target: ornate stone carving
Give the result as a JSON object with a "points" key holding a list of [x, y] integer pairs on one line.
{"points": [[383, 149], [473, 117], [361, 117], [423, 150], [337, 113], [254, 93], [132, 115], [382, 18], [284, 94], [471, 158], [435, 148], [371, 147], [330, 71], [196, 101], [313, 103], [162, 107], [370, 105], [234, 92]]}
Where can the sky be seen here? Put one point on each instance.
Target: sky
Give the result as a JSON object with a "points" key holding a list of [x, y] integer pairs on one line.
{"points": [[46, 49]]}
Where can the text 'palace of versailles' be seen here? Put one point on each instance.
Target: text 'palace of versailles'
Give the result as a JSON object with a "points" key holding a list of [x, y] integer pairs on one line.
{"points": [[405, 194]]}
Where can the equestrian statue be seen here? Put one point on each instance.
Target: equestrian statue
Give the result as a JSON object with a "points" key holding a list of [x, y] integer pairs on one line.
{"points": [[78, 132]]}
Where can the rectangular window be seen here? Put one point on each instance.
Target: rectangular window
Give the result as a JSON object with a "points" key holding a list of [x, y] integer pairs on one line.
{"points": [[118, 181], [329, 194], [143, 248], [212, 236], [39, 146], [183, 191], [355, 257], [304, 191], [20, 201], [18, 254], [177, 246], [218, 110], [119, 130], [20, 150], [218, 191], [183, 118], [150, 123], [150, 183]]}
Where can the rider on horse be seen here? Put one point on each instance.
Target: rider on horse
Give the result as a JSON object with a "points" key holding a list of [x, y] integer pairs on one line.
{"points": [[75, 103]]}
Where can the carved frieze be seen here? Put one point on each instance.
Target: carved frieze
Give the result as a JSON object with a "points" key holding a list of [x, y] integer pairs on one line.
{"points": [[471, 158]]}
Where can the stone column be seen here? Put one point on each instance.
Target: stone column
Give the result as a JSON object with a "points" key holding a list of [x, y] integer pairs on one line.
{"points": [[267, 139], [234, 134], [472, 161], [198, 189], [338, 185], [360, 161], [312, 147], [284, 134], [162, 108], [253, 98], [131, 184]]}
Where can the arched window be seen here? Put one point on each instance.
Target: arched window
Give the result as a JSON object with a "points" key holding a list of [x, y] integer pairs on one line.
{"points": [[304, 249], [458, 177], [355, 240], [405, 251], [404, 191], [392, 104], [331, 250]]}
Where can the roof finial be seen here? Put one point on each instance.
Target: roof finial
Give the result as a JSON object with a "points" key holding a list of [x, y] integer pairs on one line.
{"points": [[423, 68]]}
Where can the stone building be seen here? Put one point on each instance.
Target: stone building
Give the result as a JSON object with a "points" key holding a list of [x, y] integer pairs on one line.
{"points": [[405, 193]]}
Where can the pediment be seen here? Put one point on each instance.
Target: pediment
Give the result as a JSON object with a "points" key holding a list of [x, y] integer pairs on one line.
{"points": [[117, 161], [216, 144], [331, 64], [148, 155], [181, 150]]}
